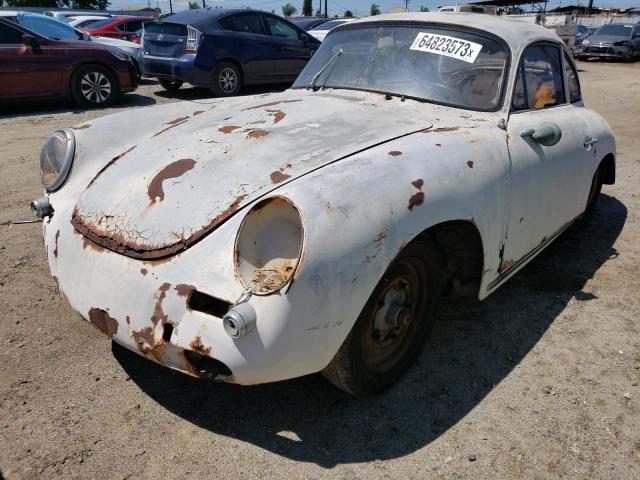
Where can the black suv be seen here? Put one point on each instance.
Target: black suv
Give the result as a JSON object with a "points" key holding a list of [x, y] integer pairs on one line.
{"points": [[224, 49]]}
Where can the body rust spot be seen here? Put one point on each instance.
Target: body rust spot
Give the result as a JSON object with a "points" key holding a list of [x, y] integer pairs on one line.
{"points": [[395, 153], [417, 199], [197, 345], [379, 238], [55, 250], [144, 271], [278, 115], [173, 170], [278, 176], [103, 321], [256, 133], [158, 313], [82, 127], [272, 104], [470, 163], [184, 290], [228, 128]]}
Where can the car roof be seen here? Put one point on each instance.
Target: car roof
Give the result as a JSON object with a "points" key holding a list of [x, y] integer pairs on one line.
{"points": [[516, 33]]}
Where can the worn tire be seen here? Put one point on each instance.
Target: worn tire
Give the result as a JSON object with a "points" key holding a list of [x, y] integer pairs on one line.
{"points": [[170, 85], [349, 369], [94, 86], [592, 199], [226, 80]]}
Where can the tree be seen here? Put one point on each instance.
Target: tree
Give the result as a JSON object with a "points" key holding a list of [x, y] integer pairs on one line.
{"points": [[348, 14], [318, 13], [424, 9], [375, 9], [307, 8], [288, 10], [193, 5]]}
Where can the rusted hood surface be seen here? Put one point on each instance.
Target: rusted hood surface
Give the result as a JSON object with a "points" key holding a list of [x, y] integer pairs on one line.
{"points": [[174, 186]]}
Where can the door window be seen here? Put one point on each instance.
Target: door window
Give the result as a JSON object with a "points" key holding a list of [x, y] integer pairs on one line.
{"points": [[9, 36], [572, 80], [280, 28], [133, 26], [249, 23], [539, 80]]}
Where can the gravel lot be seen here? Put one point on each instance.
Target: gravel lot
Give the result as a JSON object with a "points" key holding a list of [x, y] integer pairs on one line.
{"points": [[541, 380]]}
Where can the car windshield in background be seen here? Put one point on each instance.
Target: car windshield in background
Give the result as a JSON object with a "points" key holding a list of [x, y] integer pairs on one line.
{"points": [[101, 23], [329, 25], [434, 64], [48, 27], [617, 30]]}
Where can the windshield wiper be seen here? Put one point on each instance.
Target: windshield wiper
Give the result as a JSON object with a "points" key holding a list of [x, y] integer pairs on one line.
{"points": [[312, 83]]}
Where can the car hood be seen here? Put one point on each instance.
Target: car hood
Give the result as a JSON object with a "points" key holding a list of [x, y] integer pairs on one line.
{"points": [[606, 39], [193, 172]]}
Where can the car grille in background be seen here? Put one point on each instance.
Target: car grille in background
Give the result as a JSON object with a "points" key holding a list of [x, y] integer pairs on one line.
{"points": [[599, 49]]}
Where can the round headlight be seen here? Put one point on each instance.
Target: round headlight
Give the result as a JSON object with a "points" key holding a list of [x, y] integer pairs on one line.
{"points": [[585, 43], [56, 159], [269, 245]]}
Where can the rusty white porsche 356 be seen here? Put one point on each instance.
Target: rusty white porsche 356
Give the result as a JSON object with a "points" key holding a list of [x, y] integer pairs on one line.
{"points": [[261, 238]]}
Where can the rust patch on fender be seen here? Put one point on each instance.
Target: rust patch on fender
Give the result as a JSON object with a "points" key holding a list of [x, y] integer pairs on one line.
{"points": [[271, 104], [379, 238], [173, 170], [278, 176], [111, 162], [55, 250], [86, 243], [504, 265], [158, 313], [228, 128], [197, 112], [103, 321], [176, 121], [446, 129], [277, 115], [197, 345], [395, 153], [417, 199], [144, 271], [172, 124], [256, 133], [184, 290], [82, 127], [470, 163]]}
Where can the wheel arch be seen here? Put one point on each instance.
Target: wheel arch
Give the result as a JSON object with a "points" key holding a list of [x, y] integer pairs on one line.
{"points": [[608, 164]]}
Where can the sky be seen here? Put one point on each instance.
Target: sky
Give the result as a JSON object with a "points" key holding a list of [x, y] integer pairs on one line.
{"points": [[359, 7]]}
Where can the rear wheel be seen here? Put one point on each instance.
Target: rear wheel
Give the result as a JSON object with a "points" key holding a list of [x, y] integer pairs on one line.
{"points": [[170, 85], [393, 327], [226, 80], [592, 199], [94, 86]]}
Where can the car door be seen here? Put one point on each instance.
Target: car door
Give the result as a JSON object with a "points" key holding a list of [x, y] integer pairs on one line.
{"points": [[27, 71], [546, 136], [252, 45], [635, 41], [291, 51]]}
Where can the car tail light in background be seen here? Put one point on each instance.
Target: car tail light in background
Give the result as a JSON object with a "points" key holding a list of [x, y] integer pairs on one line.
{"points": [[194, 39]]}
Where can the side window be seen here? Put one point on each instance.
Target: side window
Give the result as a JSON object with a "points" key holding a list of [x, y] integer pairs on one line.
{"points": [[572, 80], [281, 29], [249, 23], [133, 26], [228, 23], [539, 83], [9, 36]]}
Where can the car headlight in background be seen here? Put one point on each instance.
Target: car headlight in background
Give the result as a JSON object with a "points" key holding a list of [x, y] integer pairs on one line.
{"points": [[56, 158], [585, 43], [269, 245], [119, 54]]}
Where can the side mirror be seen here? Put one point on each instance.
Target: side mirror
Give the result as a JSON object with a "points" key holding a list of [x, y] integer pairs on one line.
{"points": [[547, 134], [304, 38], [30, 40]]}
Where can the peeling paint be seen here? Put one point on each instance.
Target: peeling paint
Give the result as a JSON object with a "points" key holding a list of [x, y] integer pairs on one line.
{"points": [[197, 112], [82, 127], [173, 170], [158, 313], [277, 115], [256, 133], [197, 345], [395, 153], [103, 321], [277, 177], [144, 271], [379, 238], [176, 121], [470, 163], [172, 124], [55, 249], [418, 183], [86, 243], [272, 104], [417, 199], [228, 128], [184, 290]]}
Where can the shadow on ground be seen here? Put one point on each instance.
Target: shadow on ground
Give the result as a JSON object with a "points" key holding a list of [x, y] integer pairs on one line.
{"points": [[472, 349]]}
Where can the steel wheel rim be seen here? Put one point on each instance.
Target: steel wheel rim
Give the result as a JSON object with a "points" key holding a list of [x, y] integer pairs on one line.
{"points": [[95, 87], [227, 80], [383, 350]]}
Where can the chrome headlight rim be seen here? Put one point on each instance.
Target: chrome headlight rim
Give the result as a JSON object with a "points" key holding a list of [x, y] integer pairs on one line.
{"points": [[67, 161], [293, 265]]}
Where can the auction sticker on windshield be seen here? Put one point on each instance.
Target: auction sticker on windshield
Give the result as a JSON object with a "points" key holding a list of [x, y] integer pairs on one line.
{"points": [[449, 46]]}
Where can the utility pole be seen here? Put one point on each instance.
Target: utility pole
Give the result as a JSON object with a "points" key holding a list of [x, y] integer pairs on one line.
{"points": [[406, 4], [589, 7], [326, 12], [204, 5], [170, 6]]}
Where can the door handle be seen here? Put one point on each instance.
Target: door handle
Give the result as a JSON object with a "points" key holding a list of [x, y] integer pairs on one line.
{"points": [[589, 142]]}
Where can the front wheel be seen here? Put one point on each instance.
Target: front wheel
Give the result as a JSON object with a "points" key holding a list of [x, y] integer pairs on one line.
{"points": [[393, 327], [94, 86], [226, 80], [170, 85]]}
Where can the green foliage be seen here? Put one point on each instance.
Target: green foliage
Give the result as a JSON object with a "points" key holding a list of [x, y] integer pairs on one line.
{"points": [[375, 9], [307, 8], [424, 9], [319, 13], [193, 5], [288, 10], [348, 14]]}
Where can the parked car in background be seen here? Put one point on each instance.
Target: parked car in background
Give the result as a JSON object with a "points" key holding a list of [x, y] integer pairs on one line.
{"points": [[83, 21], [66, 15], [224, 49], [307, 23], [58, 30], [260, 238], [469, 8], [613, 40], [124, 27], [35, 66], [321, 31]]}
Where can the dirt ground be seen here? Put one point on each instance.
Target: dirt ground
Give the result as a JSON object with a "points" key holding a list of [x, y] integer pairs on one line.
{"points": [[538, 381]]}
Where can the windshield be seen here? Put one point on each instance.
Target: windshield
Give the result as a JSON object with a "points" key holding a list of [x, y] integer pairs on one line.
{"points": [[329, 25], [617, 30], [101, 23], [434, 64], [48, 27]]}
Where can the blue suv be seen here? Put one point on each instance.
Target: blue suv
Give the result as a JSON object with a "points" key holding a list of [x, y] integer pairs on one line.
{"points": [[224, 49]]}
